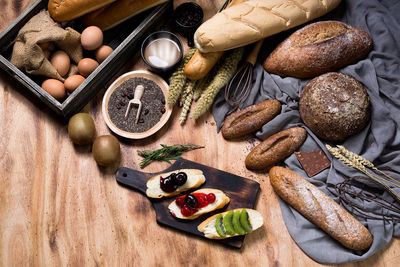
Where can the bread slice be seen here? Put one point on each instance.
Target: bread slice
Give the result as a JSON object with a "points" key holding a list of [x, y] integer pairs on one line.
{"points": [[195, 178], [220, 201], [208, 226]]}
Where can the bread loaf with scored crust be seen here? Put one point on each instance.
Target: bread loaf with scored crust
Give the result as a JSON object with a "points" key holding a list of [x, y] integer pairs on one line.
{"points": [[250, 119], [320, 209], [254, 20], [275, 148], [319, 48]]}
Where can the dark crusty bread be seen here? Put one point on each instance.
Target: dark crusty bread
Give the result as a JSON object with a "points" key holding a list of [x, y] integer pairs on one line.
{"points": [[117, 12], [64, 10], [334, 106], [275, 148], [321, 210], [250, 119], [318, 48]]}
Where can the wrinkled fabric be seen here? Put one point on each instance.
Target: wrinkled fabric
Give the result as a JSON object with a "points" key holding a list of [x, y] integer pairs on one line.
{"points": [[379, 142]]}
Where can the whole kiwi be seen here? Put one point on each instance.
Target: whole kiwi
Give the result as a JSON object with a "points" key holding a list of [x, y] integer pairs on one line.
{"points": [[81, 129], [106, 151]]}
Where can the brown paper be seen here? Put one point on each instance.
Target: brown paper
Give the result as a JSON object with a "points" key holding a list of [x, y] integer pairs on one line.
{"points": [[28, 55]]}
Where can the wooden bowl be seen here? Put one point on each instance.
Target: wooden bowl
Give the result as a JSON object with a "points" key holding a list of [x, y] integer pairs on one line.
{"points": [[133, 74]]}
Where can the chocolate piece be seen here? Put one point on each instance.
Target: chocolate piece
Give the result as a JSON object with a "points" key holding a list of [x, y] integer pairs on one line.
{"points": [[313, 162]]}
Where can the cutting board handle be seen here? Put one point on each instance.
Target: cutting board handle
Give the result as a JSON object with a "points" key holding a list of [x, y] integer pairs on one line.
{"points": [[137, 180]]}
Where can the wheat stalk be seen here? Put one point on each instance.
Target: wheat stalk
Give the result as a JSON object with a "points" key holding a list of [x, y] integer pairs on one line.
{"points": [[358, 162]]}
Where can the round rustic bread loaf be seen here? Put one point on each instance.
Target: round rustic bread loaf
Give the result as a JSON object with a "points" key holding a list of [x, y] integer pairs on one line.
{"points": [[334, 106]]}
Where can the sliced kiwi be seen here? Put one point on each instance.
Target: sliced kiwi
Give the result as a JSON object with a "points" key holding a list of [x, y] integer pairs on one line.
{"points": [[219, 227], [236, 223], [227, 221], [244, 221]]}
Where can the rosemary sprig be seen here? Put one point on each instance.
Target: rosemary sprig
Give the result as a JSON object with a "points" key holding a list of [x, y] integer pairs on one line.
{"points": [[166, 153]]}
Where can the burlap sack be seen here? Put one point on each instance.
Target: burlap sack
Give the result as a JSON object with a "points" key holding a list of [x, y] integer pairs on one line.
{"points": [[27, 53]]}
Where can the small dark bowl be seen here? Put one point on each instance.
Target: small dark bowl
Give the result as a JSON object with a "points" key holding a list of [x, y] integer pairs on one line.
{"points": [[188, 17], [158, 35]]}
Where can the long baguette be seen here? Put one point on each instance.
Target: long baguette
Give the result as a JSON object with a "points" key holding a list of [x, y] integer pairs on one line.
{"points": [[254, 20], [321, 210]]}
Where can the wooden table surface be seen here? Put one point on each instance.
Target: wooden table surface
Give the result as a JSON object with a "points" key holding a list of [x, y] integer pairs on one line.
{"points": [[58, 208]]}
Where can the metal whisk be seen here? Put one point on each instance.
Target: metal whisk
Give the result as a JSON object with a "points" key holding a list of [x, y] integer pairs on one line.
{"points": [[238, 88]]}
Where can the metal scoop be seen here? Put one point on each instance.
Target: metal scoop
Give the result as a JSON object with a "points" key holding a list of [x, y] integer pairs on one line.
{"points": [[136, 101]]}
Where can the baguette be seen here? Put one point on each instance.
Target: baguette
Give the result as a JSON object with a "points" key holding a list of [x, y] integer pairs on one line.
{"points": [[275, 148], [220, 201], [321, 210], [209, 229], [250, 119], [254, 20], [195, 178], [117, 12], [318, 48], [64, 10], [201, 63]]}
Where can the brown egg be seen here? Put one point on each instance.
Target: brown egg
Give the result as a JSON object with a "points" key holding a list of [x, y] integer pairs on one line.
{"points": [[102, 53], [91, 38], [73, 82], [55, 88], [87, 66], [60, 61]]}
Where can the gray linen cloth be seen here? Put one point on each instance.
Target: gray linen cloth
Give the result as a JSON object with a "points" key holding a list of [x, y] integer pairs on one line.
{"points": [[379, 142]]}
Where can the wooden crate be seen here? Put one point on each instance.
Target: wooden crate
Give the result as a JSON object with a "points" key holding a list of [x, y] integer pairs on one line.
{"points": [[125, 39]]}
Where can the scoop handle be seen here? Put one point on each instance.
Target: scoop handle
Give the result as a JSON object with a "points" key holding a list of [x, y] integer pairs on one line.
{"points": [[138, 92]]}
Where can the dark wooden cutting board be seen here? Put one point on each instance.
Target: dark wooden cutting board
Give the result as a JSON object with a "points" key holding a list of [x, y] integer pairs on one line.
{"points": [[242, 192]]}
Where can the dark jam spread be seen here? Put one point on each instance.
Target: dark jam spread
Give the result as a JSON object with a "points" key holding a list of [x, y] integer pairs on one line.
{"points": [[191, 203], [170, 183]]}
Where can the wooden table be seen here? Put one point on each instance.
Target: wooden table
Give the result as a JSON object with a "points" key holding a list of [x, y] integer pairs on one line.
{"points": [[58, 208]]}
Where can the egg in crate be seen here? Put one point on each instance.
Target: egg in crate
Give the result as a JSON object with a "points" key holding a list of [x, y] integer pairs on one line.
{"points": [[92, 38], [55, 88]]}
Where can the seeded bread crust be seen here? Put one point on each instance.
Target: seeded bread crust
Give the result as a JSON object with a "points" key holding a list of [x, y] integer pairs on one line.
{"points": [[275, 148], [321, 210], [219, 196], [319, 48], [334, 106], [250, 119]]}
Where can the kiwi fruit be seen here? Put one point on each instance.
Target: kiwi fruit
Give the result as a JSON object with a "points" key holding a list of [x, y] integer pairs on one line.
{"points": [[236, 223], [81, 129], [106, 150], [219, 227], [227, 221], [244, 221]]}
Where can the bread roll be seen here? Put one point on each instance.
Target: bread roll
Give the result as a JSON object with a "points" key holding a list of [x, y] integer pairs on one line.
{"points": [[334, 106], [318, 48], [195, 178], [250, 119], [64, 10], [321, 210], [275, 148], [254, 20], [208, 226], [201, 63], [117, 12], [220, 201]]}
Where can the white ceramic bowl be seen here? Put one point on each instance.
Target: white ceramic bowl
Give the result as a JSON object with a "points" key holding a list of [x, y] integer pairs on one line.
{"points": [[138, 73]]}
